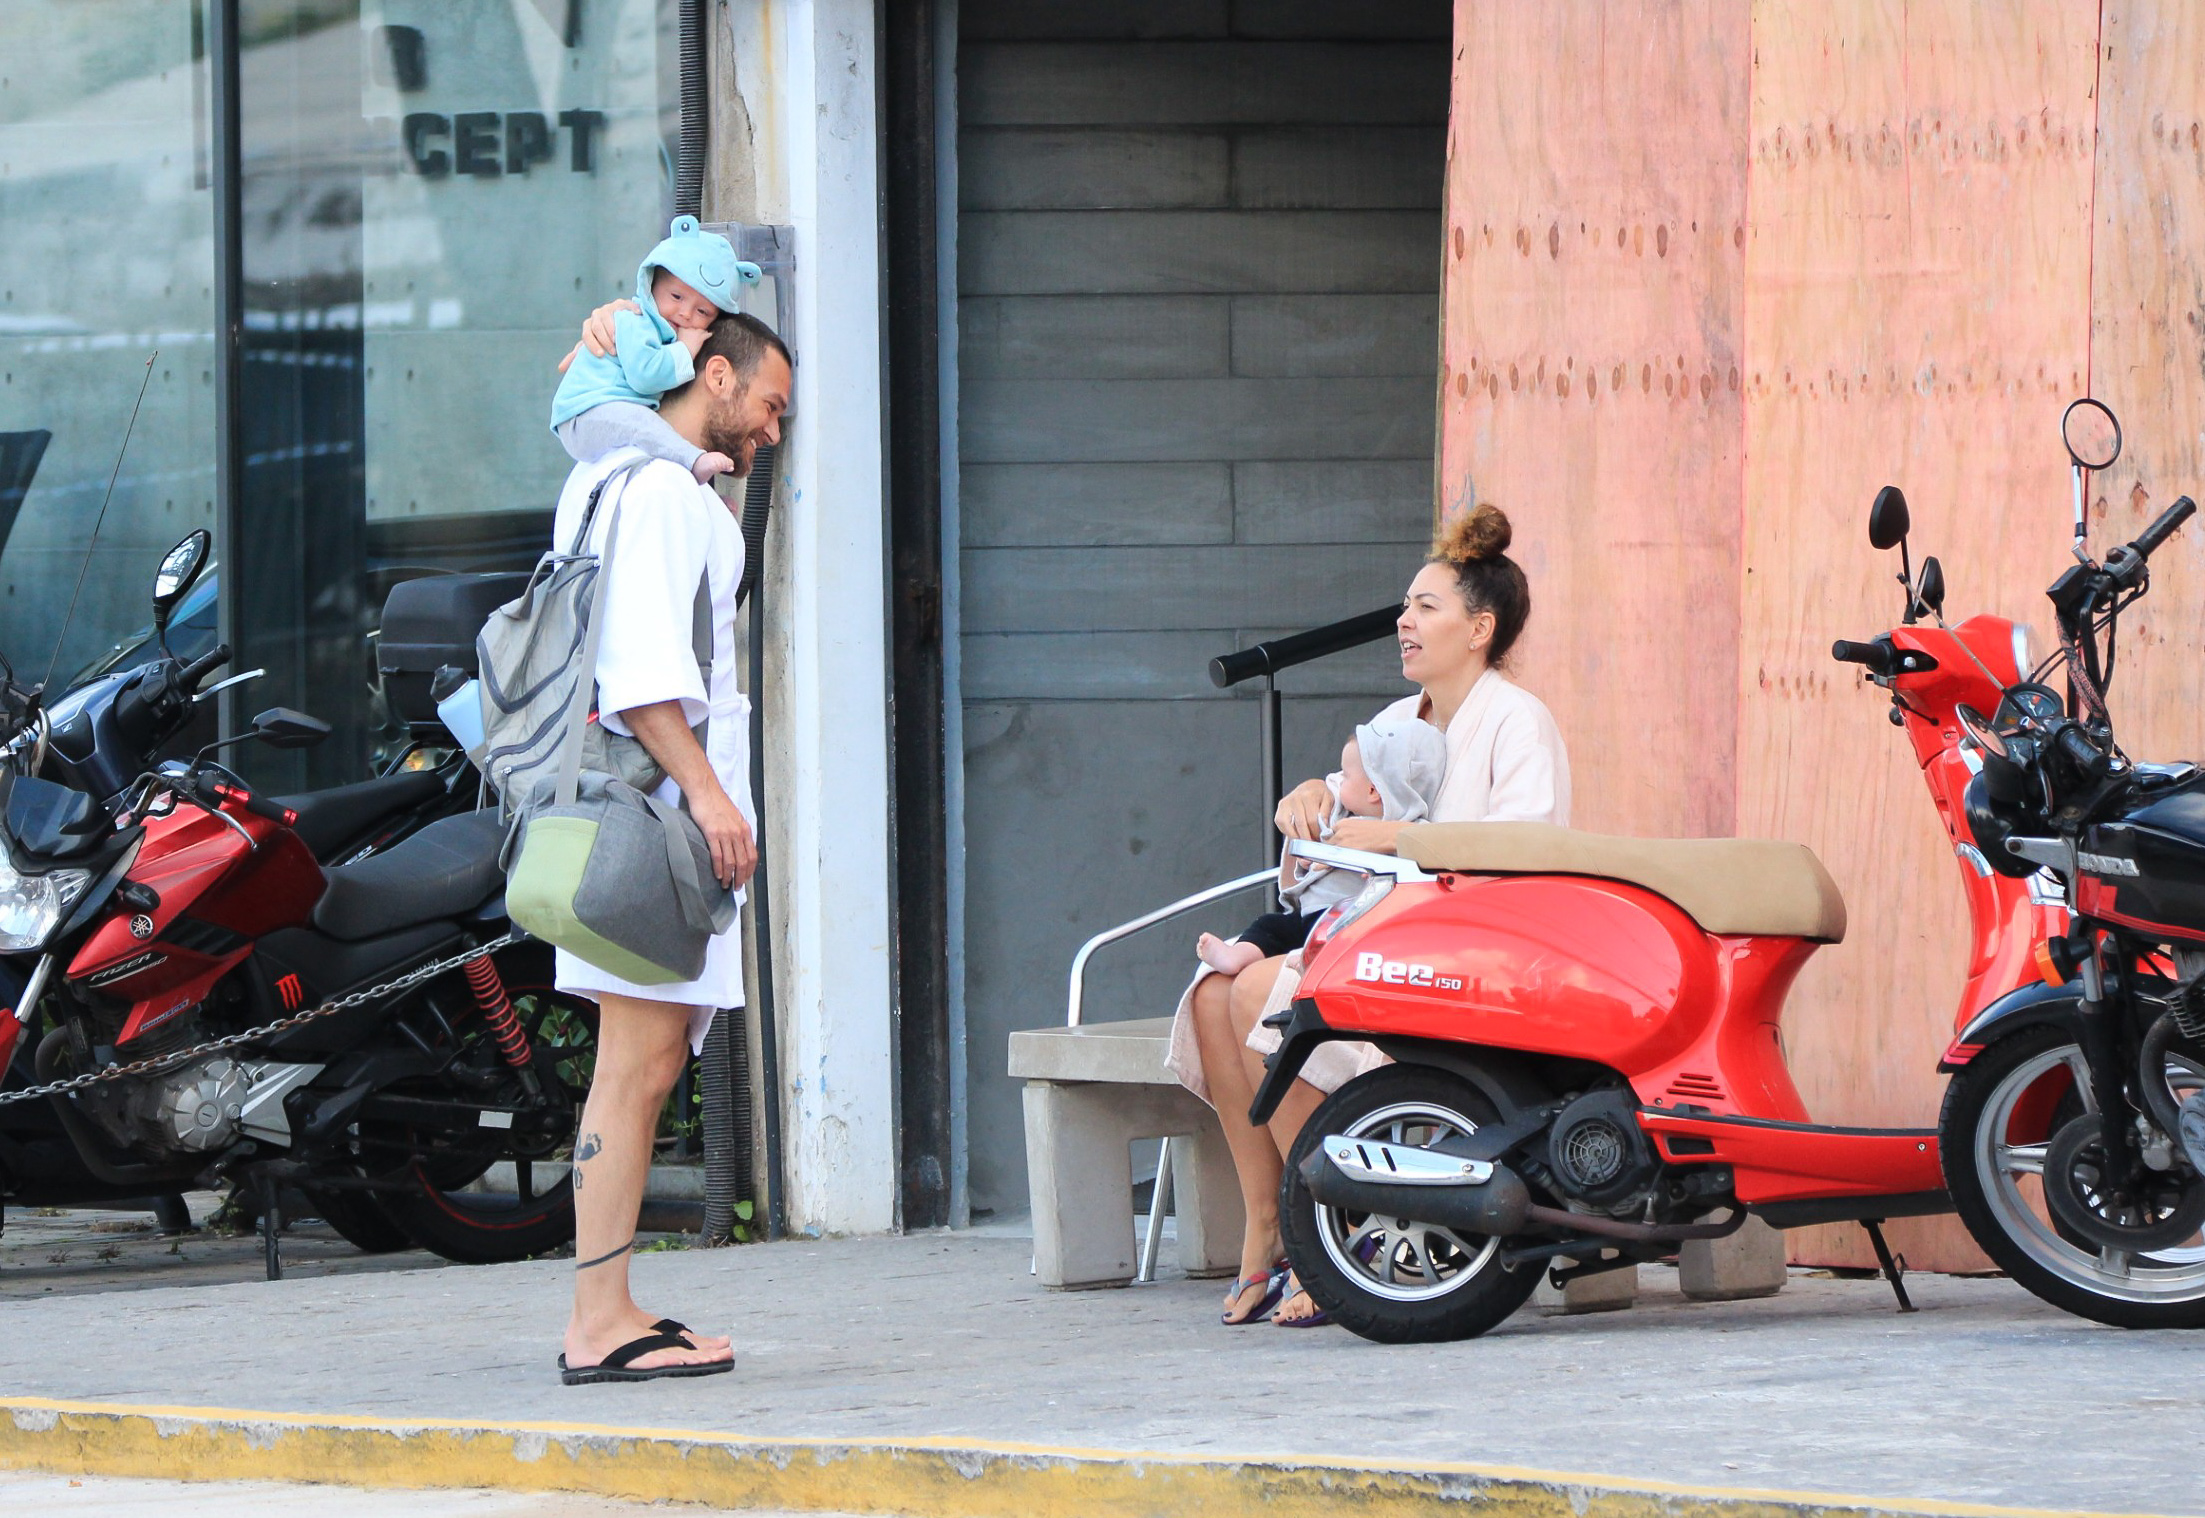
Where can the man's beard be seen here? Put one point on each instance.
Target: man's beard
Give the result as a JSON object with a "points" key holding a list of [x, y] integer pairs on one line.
{"points": [[724, 432]]}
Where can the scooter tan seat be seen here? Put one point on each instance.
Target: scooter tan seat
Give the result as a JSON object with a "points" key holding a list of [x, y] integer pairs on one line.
{"points": [[1726, 885]]}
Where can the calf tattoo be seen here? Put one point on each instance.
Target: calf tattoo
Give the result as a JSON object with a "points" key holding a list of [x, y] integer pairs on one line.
{"points": [[584, 1152]]}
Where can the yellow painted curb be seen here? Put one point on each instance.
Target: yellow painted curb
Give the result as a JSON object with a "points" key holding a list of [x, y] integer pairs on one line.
{"points": [[922, 1478]]}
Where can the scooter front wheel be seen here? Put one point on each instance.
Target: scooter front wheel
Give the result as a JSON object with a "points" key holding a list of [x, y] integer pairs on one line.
{"points": [[1397, 1280], [2003, 1117]]}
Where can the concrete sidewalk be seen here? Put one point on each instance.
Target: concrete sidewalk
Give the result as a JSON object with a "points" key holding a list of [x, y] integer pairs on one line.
{"points": [[931, 1375]]}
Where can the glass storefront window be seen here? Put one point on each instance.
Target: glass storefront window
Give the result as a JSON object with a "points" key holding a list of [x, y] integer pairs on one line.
{"points": [[432, 194], [106, 255]]}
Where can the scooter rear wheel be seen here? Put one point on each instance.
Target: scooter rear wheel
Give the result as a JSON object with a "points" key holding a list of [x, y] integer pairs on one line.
{"points": [[2000, 1115], [1397, 1280]]}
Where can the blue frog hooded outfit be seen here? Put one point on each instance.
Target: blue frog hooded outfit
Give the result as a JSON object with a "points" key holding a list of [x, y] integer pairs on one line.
{"points": [[646, 360]]}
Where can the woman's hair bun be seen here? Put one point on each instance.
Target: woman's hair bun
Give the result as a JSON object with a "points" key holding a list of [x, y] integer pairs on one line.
{"points": [[1482, 535]]}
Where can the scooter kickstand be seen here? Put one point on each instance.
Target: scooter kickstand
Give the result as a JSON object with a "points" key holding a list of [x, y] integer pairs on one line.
{"points": [[271, 1223], [1894, 1270]]}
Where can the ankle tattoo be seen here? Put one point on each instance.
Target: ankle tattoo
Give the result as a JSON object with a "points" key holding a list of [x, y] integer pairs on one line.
{"points": [[606, 1258]]}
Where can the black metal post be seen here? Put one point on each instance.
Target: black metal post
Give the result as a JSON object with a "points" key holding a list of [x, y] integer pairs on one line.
{"points": [[757, 515], [1274, 767], [226, 172]]}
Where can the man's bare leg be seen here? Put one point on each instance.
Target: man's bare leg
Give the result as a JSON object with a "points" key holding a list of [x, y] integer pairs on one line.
{"points": [[641, 1046]]}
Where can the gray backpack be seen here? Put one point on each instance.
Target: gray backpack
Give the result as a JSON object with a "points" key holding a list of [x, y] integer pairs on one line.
{"points": [[537, 655], [594, 863]]}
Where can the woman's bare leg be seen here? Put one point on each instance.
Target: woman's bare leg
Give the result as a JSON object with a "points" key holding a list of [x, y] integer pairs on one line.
{"points": [[1251, 989], [1255, 1156]]}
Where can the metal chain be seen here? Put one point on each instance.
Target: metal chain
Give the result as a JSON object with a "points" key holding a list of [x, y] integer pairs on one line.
{"points": [[160, 1062]]}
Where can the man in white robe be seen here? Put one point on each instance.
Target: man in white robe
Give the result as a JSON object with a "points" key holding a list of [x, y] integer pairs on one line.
{"points": [[673, 532]]}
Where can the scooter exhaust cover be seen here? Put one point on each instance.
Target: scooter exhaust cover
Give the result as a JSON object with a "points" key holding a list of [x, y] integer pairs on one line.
{"points": [[1499, 1206]]}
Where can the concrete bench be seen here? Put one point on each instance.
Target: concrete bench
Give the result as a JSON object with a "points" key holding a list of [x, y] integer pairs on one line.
{"points": [[1090, 1092]]}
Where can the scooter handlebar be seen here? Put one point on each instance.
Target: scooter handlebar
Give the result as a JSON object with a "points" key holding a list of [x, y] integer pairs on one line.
{"points": [[1874, 657], [198, 669]]}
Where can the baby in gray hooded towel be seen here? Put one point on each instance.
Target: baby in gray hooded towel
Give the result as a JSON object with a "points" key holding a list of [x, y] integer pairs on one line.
{"points": [[1389, 769]]}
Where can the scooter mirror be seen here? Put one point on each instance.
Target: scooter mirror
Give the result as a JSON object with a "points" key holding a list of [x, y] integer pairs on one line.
{"points": [[1929, 592], [281, 727], [178, 570], [1887, 519], [2091, 432]]}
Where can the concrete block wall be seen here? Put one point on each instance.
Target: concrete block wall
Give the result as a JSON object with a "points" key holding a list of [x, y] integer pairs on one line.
{"points": [[1198, 269]]}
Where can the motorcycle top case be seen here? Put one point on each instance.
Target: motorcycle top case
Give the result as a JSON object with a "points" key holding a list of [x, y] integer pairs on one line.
{"points": [[429, 623]]}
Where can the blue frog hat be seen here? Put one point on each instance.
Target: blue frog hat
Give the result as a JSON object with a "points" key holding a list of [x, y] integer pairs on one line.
{"points": [[704, 261]]}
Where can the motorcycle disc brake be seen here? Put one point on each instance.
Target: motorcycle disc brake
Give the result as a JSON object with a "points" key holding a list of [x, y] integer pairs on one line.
{"points": [[2167, 1211]]}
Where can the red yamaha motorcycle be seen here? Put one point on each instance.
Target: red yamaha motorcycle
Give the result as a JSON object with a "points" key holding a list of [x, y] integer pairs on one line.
{"points": [[1584, 1030], [205, 1004]]}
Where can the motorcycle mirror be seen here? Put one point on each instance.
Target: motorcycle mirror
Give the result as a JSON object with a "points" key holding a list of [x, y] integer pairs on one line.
{"points": [[1980, 732], [179, 568], [2091, 432], [281, 727], [1929, 592], [1887, 519]]}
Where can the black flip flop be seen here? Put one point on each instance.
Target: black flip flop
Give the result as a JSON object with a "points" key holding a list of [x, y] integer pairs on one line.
{"points": [[614, 1367]]}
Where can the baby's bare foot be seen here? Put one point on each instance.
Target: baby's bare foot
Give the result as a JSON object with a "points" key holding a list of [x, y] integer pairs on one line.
{"points": [[710, 464], [1226, 957]]}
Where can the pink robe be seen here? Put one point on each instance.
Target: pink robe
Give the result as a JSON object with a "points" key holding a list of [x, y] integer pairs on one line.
{"points": [[1506, 762]]}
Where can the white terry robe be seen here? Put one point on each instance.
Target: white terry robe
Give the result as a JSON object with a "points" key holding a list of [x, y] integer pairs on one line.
{"points": [[1506, 762], [672, 530]]}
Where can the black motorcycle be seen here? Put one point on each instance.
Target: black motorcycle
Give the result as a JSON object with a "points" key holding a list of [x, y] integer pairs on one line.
{"points": [[2073, 1131]]}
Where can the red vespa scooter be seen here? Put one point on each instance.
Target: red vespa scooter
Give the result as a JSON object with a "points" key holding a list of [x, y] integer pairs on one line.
{"points": [[1585, 1031]]}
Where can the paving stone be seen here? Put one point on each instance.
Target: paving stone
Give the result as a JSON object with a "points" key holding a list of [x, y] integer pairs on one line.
{"points": [[1824, 1388]]}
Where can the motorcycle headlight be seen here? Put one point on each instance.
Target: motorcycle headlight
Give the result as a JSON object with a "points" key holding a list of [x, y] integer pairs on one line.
{"points": [[32, 906], [1341, 913]]}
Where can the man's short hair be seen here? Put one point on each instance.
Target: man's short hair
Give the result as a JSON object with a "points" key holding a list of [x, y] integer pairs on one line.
{"points": [[743, 341]]}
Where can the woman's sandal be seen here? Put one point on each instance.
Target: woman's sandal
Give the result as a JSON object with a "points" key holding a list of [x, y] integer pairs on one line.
{"points": [[1317, 1319], [1273, 1283], [615, 1366]]}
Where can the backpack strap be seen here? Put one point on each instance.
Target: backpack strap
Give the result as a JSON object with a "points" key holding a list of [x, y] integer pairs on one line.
{"points": [[569, 774]]}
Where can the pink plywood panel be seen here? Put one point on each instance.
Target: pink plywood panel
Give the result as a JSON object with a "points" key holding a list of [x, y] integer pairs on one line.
{"points": [[1917, 277], [2148, 355], [1592, 373]]}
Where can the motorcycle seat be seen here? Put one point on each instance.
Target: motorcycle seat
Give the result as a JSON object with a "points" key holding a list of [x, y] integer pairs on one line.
{"points": [[445, 870], [330, 819], [1742, 886]]}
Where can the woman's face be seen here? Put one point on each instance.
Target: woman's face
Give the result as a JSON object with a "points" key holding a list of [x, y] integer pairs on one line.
{"points": [[1440, 638]]}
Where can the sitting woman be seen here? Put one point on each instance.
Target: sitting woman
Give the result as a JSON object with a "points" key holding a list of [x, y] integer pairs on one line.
{"points": [[1505, 763]]}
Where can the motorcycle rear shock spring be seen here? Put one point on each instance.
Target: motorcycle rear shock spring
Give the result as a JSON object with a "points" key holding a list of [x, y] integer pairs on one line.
{"points": [[497, 1011]]}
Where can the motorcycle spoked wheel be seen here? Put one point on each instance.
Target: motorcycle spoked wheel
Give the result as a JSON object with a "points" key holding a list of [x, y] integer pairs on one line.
{"points": [[2001, 1116], [1395, 1280], [432, 1205]]}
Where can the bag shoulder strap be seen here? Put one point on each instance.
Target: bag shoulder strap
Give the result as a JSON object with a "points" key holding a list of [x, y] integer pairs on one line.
{"points": [[569, 774]]}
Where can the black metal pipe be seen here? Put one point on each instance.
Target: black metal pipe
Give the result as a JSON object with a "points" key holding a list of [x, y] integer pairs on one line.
{"points": [[1299, 648], [757, 514], [689, 165], [225, 175], [1274, 769]]}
